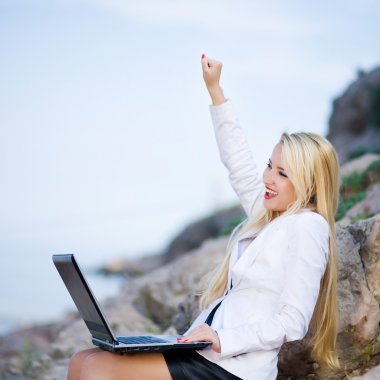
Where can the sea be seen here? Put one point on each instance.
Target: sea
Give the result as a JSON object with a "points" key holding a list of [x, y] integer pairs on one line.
{"points": [[31, 291]]}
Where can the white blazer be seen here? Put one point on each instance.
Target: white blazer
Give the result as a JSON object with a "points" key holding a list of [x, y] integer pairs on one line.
{"points": [[276, 279]]}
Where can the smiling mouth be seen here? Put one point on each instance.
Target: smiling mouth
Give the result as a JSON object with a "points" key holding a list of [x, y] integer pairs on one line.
{"points": [[270, 194]]}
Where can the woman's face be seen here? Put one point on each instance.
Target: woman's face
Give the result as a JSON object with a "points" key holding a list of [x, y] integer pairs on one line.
{"points": [[279, 191]]}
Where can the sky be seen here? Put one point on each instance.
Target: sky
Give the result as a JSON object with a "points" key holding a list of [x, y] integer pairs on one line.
{"points": [[106, 145]]}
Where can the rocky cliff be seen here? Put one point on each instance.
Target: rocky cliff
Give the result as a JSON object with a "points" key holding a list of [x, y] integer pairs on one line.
{"points": [[354, 125]]}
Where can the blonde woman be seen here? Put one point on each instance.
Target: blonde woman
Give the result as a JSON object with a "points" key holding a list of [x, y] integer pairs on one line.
{"points": [[279, 274]]}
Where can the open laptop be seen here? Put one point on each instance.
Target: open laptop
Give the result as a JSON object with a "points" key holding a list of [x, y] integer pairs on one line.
{"points": [[96, 322]]}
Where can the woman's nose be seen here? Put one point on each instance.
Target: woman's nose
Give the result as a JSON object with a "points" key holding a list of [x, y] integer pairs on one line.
{"points": [[267, 177]]}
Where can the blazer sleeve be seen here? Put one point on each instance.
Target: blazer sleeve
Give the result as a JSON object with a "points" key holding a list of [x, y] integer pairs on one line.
{"points": [[237, 157], [307, 253]]}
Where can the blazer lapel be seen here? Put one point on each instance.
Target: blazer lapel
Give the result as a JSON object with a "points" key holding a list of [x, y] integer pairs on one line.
{"points": [[247, 258], [235, 259], [250, 254]]}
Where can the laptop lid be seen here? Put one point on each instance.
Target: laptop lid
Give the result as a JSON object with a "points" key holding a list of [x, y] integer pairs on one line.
{"points": [[83, 297]]}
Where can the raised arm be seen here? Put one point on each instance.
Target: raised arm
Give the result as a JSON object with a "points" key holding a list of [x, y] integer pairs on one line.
{"points": [[234, 150]]}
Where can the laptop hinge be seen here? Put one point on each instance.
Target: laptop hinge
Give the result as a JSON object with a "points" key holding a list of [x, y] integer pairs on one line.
{"points": [[105, 342]]}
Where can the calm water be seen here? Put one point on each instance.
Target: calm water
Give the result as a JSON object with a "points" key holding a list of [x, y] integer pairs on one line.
{"points": [[31, 290]]}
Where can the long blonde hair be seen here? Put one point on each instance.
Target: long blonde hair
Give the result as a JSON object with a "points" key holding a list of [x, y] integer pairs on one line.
{"points": [[312, 166]]}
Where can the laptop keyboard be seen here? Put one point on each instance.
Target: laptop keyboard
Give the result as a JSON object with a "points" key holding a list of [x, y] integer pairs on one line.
{"points": [[140, 339]]}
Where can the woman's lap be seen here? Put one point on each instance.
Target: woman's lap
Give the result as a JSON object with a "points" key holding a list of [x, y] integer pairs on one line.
{"points": [[172, 365], [105, 365]]}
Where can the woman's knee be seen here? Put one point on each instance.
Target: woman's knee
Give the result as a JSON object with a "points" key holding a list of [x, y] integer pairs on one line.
{"points": [[76, 362], [97, 366]]}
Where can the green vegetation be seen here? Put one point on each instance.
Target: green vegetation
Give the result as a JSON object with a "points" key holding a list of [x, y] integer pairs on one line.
{"points": [[354, 183], [361, 152], [231, 225], [369, 352], [345, 203], [373, 172], [353, 190], [361, 216], [28, 356], [354, 358]]}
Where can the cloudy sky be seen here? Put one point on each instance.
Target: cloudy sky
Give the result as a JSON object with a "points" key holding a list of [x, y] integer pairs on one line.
{"points": [[106, 143]]}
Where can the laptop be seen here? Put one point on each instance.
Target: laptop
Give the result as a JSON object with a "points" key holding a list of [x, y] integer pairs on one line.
{"points": [[96, 321]]}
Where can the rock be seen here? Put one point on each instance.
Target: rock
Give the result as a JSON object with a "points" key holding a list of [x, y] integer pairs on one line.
{"points": [[358, 287], [359, 308], [15, 366], [353, 125], [133, 268], [368, 234], [220, 223], [369, 206], [358, 164], [364, 184], [49, 360], [192, 237], [186, 312], [372, 374], [294, 361], [22, 350], [167, 297], [123, 318], [165, 293]]}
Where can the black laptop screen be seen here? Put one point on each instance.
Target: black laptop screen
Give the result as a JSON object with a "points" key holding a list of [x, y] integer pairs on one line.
{"points": [[82, 296]]}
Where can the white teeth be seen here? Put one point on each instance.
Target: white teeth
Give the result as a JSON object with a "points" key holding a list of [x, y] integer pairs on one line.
{"points": [[271, 192]]}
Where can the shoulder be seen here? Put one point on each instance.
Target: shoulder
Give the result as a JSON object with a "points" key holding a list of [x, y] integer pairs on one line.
{"points": [[308, 224], [306, 218], [309, 232]]}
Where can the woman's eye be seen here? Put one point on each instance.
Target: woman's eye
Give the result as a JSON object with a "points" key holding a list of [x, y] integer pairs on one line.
{"points": [[283, 174], [269, 165]]}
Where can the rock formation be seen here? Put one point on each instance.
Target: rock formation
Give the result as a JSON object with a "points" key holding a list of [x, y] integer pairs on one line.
{"points": [[166, 300], [354, 125], [217, 224]]}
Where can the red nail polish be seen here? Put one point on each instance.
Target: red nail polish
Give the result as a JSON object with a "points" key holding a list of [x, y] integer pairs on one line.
{"points": [[203, 56]]}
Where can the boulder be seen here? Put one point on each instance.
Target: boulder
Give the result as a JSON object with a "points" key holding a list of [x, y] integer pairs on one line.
{"points": [[169, 294], [358, 294], [358, 287]]}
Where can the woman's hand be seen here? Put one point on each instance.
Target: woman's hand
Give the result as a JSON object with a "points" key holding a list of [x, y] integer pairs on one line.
{"points": [[211, 74], [203, 333]]}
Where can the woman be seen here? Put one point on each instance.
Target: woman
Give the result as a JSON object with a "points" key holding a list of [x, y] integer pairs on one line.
{"points": [[280, 272]]}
